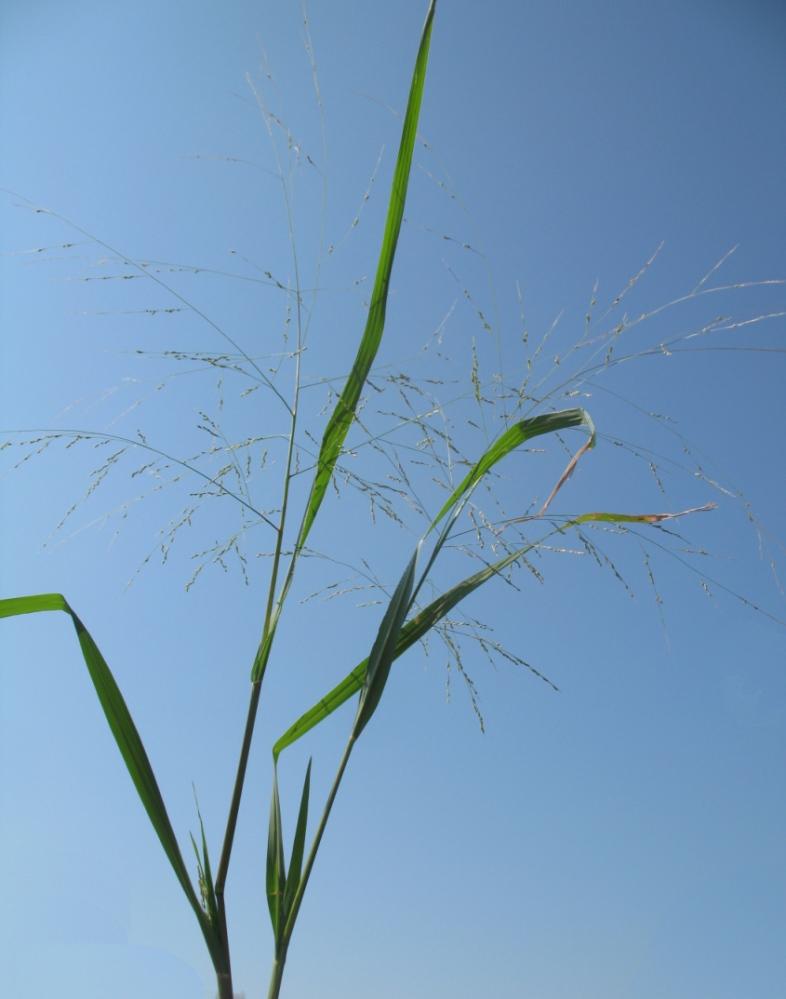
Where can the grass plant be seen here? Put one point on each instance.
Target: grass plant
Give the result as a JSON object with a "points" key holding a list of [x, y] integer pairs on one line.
{"points": [[532, 409]]}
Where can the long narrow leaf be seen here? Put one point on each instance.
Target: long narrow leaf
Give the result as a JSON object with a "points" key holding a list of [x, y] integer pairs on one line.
{"points": [[211, 902], [210, 888], [412, 632], [524, 430], [206, 885], [383, 651], [440, 542], [130, 745], [298, 847], [276, 878], [425, 620], [341, 419], [640, 518]]}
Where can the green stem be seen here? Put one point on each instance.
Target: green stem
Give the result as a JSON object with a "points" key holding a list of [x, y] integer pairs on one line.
{"points": [[225, 986], [225, 980], [276, 975], [271, 616]]}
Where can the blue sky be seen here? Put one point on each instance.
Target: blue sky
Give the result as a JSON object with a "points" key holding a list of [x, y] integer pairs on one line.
{"points": [[622, 838]]}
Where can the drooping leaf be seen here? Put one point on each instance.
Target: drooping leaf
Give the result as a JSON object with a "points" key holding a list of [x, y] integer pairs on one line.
{"points": [[639, 518], [524, 430], [131, 748]]}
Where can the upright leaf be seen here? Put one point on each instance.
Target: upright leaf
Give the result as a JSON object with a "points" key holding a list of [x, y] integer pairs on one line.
{"points": [[344, 412], [383, 651], [409, 634], [341, 419], [206, 884], [276, 876], [205, 873], [298, 847]]}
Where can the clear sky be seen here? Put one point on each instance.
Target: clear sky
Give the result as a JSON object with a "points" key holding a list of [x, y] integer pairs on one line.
{"points": [[620, 839]]}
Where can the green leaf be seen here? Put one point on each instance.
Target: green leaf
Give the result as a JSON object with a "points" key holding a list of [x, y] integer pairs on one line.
{"points": [[412, 632], [131, 748], [524, 430], [276, 876], [424, 621], [443, 537], [344, 413], [206, 886], [383, 651], [341, 419], [298, 847]]}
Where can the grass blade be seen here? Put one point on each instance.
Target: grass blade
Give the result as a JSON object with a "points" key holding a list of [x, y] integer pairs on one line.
{"points": [[524, 430], [455, 513], [344, 412], [276, 878], [298, 846], [410, 633], [131, 749], [383, 651], [206, 886], [639, 518], [423, 622]]}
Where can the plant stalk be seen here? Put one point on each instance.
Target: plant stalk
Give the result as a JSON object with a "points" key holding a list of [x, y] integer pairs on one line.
{"points": [[271, 613], [225, 990], [271, 616], [276, 975]]}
